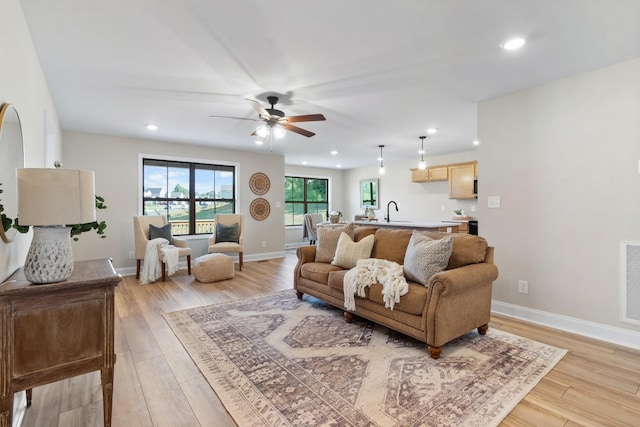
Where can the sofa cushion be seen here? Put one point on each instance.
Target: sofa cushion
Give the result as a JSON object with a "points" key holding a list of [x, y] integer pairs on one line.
{"points": [[349, 252], [426, 257], [391, 244], [361, 232], [328, 241], [318, 271], [467, 248], [412, 302]]}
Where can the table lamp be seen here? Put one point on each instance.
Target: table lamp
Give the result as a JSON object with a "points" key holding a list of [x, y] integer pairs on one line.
{"points": [[48, 200]]}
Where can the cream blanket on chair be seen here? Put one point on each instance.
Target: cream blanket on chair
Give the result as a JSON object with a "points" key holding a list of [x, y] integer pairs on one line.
{"points": [[152, 267], [370, 271]]}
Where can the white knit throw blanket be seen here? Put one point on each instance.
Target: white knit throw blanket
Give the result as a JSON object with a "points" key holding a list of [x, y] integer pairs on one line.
{"points": [[370, 271], [152, 267]]}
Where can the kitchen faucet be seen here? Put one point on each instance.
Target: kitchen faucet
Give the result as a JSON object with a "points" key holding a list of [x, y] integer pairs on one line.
{"points": [[396, 205]]}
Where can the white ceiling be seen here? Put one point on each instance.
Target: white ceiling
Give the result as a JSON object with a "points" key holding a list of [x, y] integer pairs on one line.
{"points": [[381, 71]]}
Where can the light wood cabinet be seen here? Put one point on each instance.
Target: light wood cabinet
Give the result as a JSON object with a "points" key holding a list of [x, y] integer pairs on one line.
{"points": [[438, 173], [435, 173], [418, 175], [461, 178]]}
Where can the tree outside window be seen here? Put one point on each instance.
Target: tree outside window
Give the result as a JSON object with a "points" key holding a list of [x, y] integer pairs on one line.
{"points": [[304, 195]]}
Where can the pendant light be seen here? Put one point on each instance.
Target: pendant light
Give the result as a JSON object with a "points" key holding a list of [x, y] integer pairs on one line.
{"points": [[381, 170], [422, 165]]}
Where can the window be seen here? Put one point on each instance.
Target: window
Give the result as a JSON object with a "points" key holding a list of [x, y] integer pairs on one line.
{"points": [[304, 195], [189, 194]]}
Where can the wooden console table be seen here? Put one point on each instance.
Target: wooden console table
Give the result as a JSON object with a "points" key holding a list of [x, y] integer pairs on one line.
{"points": [[56, 331]]}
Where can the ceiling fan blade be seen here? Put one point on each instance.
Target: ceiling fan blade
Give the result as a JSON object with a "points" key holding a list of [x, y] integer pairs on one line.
{"points": [[296, 129], [237, 118], [305, 118], [259, 108]]}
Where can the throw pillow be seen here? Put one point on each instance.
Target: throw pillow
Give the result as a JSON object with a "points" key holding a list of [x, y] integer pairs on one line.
{"points": [[328, 241], [426, 257], [164, 232], [349, 252], [227, 233]]}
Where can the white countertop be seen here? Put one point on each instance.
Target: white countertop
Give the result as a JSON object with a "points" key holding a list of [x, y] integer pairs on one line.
{"points": [[408, 224]]}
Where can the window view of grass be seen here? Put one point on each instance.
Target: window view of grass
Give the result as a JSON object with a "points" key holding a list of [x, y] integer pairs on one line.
{"points": [[304, 195], [167, 191]]}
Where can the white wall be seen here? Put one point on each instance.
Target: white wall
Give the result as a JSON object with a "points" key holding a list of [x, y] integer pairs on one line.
{"points": [[293, 234], [115, 162], [563, 157], [22, 84], [417, 201]]}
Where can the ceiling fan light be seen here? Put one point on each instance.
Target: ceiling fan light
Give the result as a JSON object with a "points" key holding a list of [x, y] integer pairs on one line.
{"points": [[278, 132], [262, 131]]}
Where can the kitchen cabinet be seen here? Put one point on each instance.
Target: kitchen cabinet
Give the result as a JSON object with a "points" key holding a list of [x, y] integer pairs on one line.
{"points": [[434, 173], [438, 173], [461, 178], [418, 175]]}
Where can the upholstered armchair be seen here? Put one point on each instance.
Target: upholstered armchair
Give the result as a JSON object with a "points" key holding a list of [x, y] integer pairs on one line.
{"points": [[141, 232], [309, 229], [228, 235]]}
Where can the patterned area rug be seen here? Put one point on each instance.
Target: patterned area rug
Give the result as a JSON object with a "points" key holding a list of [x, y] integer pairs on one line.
{"points": [[276, 361]]}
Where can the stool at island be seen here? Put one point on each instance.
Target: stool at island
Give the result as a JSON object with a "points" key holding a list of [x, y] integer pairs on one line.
{"points": [[213, 268]]}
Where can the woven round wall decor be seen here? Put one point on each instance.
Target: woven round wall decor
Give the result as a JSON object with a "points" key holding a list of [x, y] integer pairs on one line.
{"points": [[259, 209], [259, 183]]}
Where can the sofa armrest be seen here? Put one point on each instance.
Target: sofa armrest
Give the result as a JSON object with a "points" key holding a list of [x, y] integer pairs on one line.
{"points": [[305, 254], [458, 301], [461, 279]]}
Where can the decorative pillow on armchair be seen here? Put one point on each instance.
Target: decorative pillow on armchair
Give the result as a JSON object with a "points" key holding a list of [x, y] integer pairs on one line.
{"points": [[426, 257], [164, 232], [328, 241], [349, 252], [227, 233]]}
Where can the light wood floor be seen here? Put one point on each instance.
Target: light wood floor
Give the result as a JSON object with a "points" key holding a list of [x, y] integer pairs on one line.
{"points": [[157, 384]]}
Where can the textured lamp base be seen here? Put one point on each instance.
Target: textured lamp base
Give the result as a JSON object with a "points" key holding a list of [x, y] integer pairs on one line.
{"points": [[50, 258]]}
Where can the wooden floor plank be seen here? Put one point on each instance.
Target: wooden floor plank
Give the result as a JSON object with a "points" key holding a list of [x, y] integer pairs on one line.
{"points": [[597, 383], [167, 404]]}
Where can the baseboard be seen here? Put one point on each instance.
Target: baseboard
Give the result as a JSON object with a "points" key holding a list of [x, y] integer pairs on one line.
{"points": [[295, 245], [573, 325]]}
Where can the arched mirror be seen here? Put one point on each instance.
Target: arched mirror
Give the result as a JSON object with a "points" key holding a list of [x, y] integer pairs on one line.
{"points": [[369, 193], [11, 157]]}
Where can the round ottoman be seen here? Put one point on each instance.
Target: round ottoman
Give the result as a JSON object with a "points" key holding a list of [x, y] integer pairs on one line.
{"points": [[213, 267]]}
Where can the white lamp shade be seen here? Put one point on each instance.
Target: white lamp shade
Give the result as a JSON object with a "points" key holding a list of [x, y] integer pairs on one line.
{"points": [[56, 196]]}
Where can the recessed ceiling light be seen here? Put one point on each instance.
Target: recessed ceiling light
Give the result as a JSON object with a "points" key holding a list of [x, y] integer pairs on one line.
{"points": [[431, 131], [513, 44], [338, 166], [151, 127], [259, 142], [476, 142], [304, 162], [334, 152]]}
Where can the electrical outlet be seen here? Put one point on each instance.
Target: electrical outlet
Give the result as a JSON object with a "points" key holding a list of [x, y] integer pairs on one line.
{"points": [[264, 244], [473, 208], [493, 202], [132, 255], [442, 208], [523, 286]]}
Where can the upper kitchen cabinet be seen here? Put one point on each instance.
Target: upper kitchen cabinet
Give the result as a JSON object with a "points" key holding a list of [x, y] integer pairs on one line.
{"points": [[433, 173], [461, 178]]}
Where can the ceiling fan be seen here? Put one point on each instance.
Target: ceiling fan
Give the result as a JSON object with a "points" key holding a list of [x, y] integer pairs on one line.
{"points": [[274, 118]]}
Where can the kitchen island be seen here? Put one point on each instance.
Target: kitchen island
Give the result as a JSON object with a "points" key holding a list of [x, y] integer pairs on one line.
{"points": [[444, 226]]}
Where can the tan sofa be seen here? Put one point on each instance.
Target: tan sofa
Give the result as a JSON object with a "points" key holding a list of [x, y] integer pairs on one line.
{"points": [[455, 301]]}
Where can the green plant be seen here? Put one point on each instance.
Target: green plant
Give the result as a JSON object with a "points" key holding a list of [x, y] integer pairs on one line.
{"points": [[76, 229]]}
